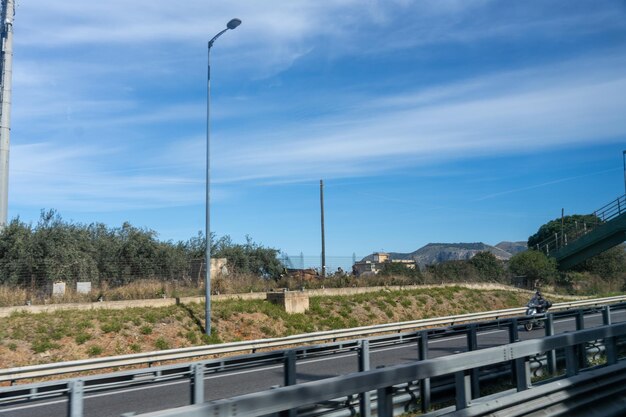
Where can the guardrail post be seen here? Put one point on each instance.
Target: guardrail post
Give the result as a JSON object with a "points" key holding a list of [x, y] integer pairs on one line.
{"points": [[290, 378], [75, 398], [610, 346], [582, 351], [522, 374], [550, 355], [364, 365], [463, 386], [472, 344], [571, 361], [385, 402], [424, 383], [606, 315], [513, 337], [197, 383], [513, 331], [290, 368]]}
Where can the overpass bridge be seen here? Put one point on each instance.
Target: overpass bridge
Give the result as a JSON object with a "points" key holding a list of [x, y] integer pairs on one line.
{"points": [[589, 239]]}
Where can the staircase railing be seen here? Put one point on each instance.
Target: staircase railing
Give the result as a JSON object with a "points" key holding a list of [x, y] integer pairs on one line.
{"points": [[603, 215]]}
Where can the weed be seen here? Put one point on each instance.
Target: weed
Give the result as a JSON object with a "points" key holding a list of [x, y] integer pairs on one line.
{"points": [[12, 346], [82, 338], [94, 350], [192, 337], [44, 345], [111, 327], [146, 330], [161, 344], [150, 317], [134, 347]]}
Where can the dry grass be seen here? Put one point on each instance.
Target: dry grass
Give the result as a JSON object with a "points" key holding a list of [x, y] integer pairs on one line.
{"points": [[27, 338]]}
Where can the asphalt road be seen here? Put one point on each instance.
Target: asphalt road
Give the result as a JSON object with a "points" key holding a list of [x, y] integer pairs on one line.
{"points": [[171, 394]]}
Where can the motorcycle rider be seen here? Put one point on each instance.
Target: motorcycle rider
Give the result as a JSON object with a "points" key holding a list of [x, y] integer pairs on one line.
{"points": [[540, 303]]}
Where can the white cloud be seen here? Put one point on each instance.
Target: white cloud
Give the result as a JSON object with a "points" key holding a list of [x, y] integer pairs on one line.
{"points": [[524, 111], [80, 65]]}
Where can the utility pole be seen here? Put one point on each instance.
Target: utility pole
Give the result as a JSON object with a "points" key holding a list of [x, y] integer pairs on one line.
{"points": [[323, 242], [6, 71], [624, 159]]}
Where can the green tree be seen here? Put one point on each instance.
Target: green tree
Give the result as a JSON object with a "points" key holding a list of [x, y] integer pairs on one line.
{"points": [[453, 271], [250, 258], [572, 226], [488, 266], [403, 270], [610, 264], [535, 266]]}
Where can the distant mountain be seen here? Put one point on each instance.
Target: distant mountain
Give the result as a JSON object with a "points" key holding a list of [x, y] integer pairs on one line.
{"points": [[434, 253], [512, 247]]}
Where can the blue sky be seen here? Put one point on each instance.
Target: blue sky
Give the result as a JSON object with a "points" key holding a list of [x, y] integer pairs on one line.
{"points": [[429, 121]]}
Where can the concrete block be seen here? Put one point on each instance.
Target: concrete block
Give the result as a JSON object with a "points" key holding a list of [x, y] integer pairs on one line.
{"points": [[58, 289], [291, 301], [83, 287]]}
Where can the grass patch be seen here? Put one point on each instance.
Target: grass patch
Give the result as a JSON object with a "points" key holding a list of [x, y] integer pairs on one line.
{"points": [[82, 338], [94, 350], [161, 344]]}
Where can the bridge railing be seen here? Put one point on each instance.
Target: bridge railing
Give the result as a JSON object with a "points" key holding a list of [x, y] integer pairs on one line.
{"points": [[603, 215]]}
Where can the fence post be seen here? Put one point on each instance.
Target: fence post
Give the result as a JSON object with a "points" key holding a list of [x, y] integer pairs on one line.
{"points": [[424, 383], [364, 365], [197, 383], [550, 355], [472, 344], [556, 239], [75, 400]]}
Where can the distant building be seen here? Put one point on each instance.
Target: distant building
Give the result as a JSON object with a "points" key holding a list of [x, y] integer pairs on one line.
{"points": [[377, 264]]}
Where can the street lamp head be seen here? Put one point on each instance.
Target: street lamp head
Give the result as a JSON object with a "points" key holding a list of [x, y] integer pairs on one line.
{"points": [[233, 23]]}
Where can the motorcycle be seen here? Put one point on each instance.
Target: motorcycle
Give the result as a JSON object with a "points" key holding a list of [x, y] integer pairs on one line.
{"points": [[532, 311], [537, 309]]}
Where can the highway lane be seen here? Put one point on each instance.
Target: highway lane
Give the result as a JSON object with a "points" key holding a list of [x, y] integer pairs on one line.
{"points": [[227, 384]]}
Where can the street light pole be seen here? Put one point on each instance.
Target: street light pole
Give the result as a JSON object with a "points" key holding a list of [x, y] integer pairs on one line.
{"points": [[232, 24]]}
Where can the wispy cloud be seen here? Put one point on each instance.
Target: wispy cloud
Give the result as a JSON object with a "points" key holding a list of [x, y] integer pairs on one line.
{"points": [[533, 111], [101, 123]]}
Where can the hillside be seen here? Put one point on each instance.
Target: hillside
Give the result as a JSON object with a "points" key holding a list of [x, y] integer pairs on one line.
{"points": [[434, 253], [512, 247], [27, 339]]}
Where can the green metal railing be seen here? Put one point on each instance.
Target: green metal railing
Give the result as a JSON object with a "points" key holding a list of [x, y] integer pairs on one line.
{"points": [[603, 215]]}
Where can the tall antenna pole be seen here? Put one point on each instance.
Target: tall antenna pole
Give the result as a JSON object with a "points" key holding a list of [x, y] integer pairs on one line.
{"points": [[6, 68], [323, 243]]}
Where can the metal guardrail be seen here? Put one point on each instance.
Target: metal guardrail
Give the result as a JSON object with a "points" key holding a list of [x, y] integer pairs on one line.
{"points": [[149, 358], [604, 214], [288, 399], [195, 373]]}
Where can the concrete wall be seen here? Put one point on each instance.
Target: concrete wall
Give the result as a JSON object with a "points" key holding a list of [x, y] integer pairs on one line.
{"points": [[162, 302]]}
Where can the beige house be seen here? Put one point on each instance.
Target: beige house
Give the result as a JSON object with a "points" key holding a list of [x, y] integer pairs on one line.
{"points": [[377, 264]]}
